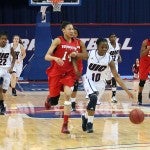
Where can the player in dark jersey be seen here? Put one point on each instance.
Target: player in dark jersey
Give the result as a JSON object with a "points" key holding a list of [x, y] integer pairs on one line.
{"points": [[144, 68], [63, 70]]}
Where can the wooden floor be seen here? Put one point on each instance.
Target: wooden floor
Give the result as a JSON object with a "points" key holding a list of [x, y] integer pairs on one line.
{"points": [[28, 126]]}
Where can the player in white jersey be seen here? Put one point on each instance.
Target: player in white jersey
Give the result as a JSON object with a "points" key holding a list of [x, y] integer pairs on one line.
{"points": [[95, 80], [6, 66], [114, 51], [20, 55]]}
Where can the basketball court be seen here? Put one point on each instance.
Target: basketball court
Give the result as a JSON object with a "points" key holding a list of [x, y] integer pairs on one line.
{"points": [[28, 126]]}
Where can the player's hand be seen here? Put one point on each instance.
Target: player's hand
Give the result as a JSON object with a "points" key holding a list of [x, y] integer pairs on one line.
{"points": [[59, 61], [10, 70], [130, 94], [73, 54]]}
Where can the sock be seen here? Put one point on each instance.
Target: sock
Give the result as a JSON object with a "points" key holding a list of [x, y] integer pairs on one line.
{"points": [[72, 99], [66, 117], [90, 119]]}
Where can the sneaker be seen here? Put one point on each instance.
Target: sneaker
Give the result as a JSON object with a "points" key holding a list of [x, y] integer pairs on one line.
{"points": [[98, 102], [14, 93], [89, 127], [65, 129], [73, 106], [84, 123], [140, 99], [113, 99], [47, 104], [2, 109]]}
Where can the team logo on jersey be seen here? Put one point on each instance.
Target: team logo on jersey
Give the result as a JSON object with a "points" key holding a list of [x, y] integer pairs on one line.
{"points": [[96, 67], [114, 52]]}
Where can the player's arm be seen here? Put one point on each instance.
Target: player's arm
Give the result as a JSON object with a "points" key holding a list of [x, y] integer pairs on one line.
{"points": [[118, 79], [84, 54], [49, 57], [13, 54], [23, 52], [144, 50]]}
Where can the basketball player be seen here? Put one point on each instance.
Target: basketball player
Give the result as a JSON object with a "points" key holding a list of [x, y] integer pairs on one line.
{"points": [[95, 80], [6, 66], [83, 55], [114, 51], [63, 70], [144, 68], [135, 69], [17, 69]]}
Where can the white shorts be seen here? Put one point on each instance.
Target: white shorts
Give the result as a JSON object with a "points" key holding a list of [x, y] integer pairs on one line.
{"points": [[109, 74], [90, 86], [6, 78], [18, 69]]}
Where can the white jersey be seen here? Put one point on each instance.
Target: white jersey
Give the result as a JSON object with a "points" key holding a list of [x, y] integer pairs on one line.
{"points": [[5, 56], [18, 53], [114, 52], [97, 66]]}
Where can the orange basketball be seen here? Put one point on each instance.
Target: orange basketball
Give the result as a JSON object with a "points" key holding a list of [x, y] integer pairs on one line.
{"points": [[136, 116]]}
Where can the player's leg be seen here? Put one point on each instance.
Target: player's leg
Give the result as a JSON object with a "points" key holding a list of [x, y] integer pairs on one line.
{"points": [[4, 88], [67, 109], [143, 75], [13, 83], [114, 87], [88, 116], [73, 96]]}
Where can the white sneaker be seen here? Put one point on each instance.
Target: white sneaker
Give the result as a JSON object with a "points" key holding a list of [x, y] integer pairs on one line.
{"points": [[98, 102], [113, 99]]}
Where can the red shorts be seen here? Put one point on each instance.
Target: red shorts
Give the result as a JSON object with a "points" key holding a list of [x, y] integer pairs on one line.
{"points": [[144, 68], [56, 83]]}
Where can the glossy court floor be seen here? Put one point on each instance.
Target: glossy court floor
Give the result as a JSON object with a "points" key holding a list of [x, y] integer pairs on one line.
{"points": [[28, 126]]}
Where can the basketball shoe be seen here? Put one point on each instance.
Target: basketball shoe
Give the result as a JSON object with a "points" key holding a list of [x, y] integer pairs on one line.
{"points": [[65, 129], [113, 99], [73, 106], [47, 103], [89, 127], [84, 123], [2, 109], [14, 93], [139, 98]]}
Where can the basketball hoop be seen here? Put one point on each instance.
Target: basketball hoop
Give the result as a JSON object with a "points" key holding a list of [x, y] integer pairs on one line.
{"points": [[56, 4]]}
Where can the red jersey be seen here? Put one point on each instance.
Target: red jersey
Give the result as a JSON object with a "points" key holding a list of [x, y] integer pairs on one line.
{"points": [[62, 51], [79, 61], [144, 69]]}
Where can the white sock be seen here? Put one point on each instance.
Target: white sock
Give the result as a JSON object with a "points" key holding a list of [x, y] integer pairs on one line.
{"points": [[90, 119]]}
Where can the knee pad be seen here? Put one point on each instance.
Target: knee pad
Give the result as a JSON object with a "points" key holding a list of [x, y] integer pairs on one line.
{"points": [[75, 86], [114, 82], [142, 82], [54, 100], [92, 103]]}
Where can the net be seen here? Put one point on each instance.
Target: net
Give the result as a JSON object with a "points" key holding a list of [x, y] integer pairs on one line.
{"points": [[56, 4]]}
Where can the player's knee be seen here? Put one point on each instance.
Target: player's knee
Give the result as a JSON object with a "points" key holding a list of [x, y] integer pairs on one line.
{"points": [[92, 102], [142, 82], [54, 100], [114, 82]]}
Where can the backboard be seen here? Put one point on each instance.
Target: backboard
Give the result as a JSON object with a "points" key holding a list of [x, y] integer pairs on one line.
{"points": [[48, 3]]}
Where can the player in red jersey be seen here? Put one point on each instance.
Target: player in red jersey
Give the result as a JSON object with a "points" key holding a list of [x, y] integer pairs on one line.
{"points": [[135, 69], [63, 70], [83, 55], [144, 68]]}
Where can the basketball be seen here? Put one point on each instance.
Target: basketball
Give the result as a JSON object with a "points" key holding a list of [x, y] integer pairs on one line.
{"points": [[136, 116]]}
